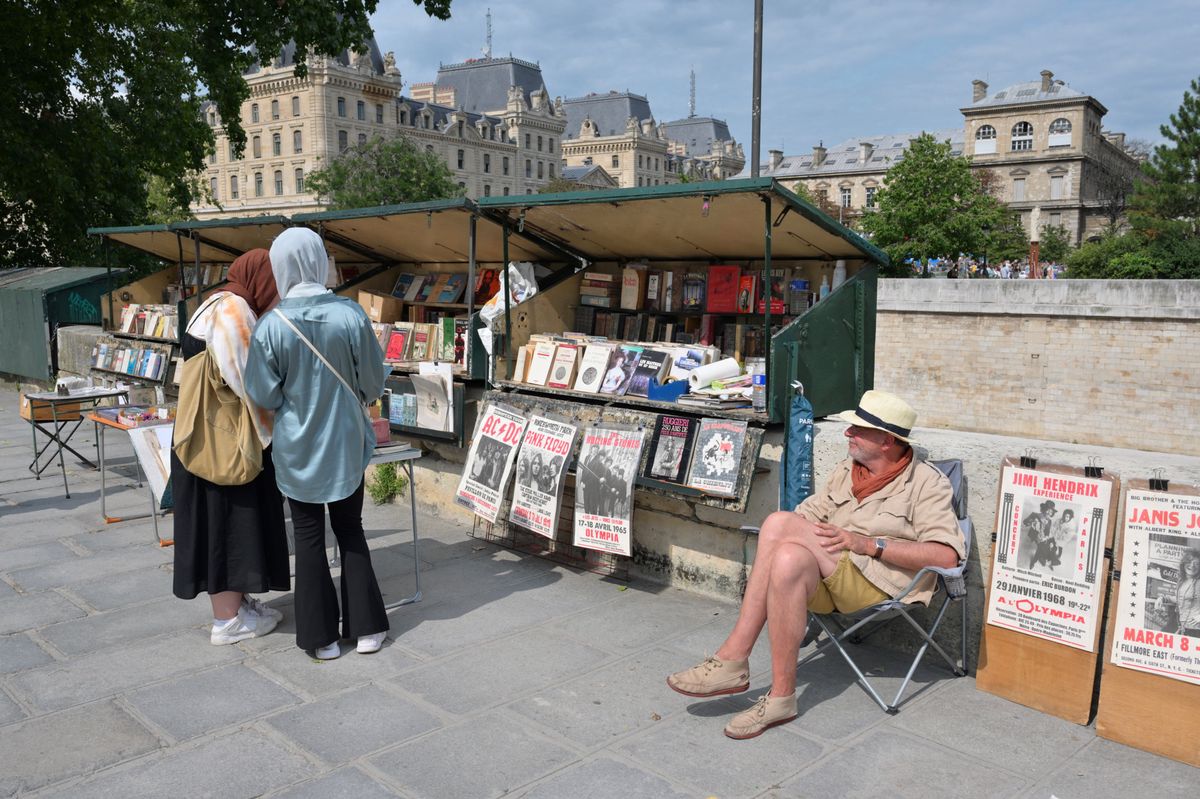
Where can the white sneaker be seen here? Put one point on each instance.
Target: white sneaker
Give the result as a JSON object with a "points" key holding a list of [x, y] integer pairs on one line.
{"points": [[367, 644], [245, 624], [330, 652], [261, 608]]}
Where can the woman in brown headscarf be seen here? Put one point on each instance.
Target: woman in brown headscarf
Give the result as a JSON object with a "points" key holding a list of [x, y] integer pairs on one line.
{"points": [[230, 541]]}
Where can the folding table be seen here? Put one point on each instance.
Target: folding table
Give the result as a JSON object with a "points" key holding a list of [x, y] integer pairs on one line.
{"points": [[60, 436], [103, 422], [405, 456]]}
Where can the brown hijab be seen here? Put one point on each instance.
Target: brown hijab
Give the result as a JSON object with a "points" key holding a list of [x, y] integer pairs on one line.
{"points": [[251, 279]]}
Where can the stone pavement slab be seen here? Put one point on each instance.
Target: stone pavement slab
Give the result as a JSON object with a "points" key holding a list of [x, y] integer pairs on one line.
{"points": [[27, 611], [35, 555], [77, 741], [498, 755], [604, 778], [347, 726], [1105, 768], [345, 783], [10, 711], [128, 588], [313, 678], [19, 652], [68, 572], [128, 625], [198, 703]]}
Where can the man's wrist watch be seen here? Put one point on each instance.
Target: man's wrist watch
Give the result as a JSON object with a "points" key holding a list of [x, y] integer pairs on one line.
{"points": [[880, 545]]}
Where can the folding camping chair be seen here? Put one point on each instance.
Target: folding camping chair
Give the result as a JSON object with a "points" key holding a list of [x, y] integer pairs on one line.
{"points": [[858, 626]]}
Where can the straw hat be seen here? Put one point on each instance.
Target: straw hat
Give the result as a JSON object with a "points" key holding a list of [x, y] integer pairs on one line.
{"points": [[885, 412]]}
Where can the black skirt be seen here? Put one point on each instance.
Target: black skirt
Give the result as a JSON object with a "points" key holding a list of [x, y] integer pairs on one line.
{"points": [[228, 538]]}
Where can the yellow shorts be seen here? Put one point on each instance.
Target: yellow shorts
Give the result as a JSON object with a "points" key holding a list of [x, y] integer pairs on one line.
{"points": [[846, 590]]}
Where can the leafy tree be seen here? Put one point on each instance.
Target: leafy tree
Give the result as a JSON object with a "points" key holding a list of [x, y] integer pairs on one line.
{"points": [[559, 185], [1005, 238], [1168, 201], [383, 172], [101, 95], [1055, 243], [931, 205]]}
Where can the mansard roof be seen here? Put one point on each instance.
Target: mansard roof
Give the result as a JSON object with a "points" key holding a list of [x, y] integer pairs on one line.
{"points": [[697, 134], [287, 58], [481, 84], [845, 156], [609, 112]]}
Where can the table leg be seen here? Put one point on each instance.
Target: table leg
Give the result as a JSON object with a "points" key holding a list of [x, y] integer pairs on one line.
{"points": [[37, 456], [412, 502], [61, 461], [100, 456]]}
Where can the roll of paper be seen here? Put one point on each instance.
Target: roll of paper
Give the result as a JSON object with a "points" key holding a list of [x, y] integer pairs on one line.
{"points": [[703, 376]]}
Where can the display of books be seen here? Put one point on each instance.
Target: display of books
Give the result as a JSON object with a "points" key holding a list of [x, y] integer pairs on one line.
{"points": [[722, 289], [652, 366], [593, 367], [403, 282], [540, 363], [415, 286], [671, 448], [622, 362], [717, 456], [562, 371], [452, 290]]}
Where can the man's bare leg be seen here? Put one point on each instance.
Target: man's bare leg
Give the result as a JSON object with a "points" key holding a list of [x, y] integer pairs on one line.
{"points": [[794, 577]]}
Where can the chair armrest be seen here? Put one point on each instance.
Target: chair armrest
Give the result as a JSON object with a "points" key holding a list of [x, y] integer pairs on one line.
{"points": [[953, 580], [750, 529]]}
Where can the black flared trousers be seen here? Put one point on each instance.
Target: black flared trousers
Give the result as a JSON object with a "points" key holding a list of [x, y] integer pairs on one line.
{"points": [[362, 608]]}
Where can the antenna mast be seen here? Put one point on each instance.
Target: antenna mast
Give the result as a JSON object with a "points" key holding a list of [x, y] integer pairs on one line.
{"points": [[487, 48], [692, 96]]}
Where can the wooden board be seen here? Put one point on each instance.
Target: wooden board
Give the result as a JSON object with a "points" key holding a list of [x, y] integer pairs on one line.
{"points": [[1044, 674], [1148, 711]]}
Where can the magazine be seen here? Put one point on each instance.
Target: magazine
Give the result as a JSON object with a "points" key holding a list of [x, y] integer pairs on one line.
{"points": [[608, 461], [717, 457], [671, 448], [490, 460], [622, 362], [433, 404], [541, 465], [651, 367]]}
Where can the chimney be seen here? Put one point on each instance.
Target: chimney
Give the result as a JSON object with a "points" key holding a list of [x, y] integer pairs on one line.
{"points": [[1117, 138], [1047, 80], [818, 154], [978, 90], [865, 148], [776, 158]]}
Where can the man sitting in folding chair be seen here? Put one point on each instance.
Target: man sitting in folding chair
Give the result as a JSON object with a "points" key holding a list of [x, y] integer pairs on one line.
{"points": [[882, 517]]}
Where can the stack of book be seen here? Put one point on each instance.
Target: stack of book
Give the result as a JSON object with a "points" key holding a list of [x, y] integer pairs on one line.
{"points": [[148, 361], [444, 340], [156, 321], [443, 288], [600, 290]]}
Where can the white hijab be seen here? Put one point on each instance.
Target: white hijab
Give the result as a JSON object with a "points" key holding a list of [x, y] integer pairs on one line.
{"points": [[299, 263]]}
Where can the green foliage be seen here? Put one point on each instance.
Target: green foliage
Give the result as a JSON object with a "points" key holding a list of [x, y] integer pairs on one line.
{"points": [[1055, 243], [1005, 239], [100, 95], [931, 205], [387, 484], [383, 172], [1134, 255], [1168, 201], [559, 185]]}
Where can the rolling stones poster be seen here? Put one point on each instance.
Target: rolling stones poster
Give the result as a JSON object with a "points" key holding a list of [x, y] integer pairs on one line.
{"points": [[1047, 574], [608, 461]]}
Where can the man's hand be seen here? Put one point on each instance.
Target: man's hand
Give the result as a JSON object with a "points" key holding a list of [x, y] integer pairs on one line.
{"points": [[835, 539]]}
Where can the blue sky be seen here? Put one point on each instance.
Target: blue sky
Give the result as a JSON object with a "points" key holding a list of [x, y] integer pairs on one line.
{"points": [[832, 71]]}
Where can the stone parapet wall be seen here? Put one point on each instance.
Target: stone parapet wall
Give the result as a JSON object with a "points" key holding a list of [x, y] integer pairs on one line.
{"points": [[1109, 363]]}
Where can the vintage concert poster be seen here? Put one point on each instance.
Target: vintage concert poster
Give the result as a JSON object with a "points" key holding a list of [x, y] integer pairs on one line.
{"points": [[608, 461], [1157, 625], [541, 466], [1047, 578], [490, 460]]}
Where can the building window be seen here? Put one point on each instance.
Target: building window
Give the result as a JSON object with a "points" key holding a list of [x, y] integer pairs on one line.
{"points": [[541, 170], [343, 141], [276, 144], [428, 148], [297, 141], [299, 181], [505, 191], [587, 161], [1022, 136], [616, 162], [254, 112], [487, 190], [845, 196], [487, 162], [529, 191], [985, 132], [295, 106], [232, 153], [379, 113], [639, 180], [985, 140], [278, 182], [1018, 193], [504, 166], [341, 106], [1056, 187], [528, 168], [550, 144], [212, 188], [871, 196], [462, 185], [551, 168], [362, 139], [256, 147], [1060, 133], [360, 109], [503, 135], [274, 109], [462, 157], [403, 117], [527, 138], [539, 144], [655, 164], [233, 187], [212, 157], [639, 160], [1055, 220], [212, 117], [258, 184]]}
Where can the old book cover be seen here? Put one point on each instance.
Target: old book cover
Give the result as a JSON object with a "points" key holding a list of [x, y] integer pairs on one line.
{"points": [[671, 448], [653, 290], [403, 281], [562, 371], [398, 342], [539, 366], [453, 289], [414, 287], [419, 350], [434, 289], [487, 284], [747, 284], [651, 367], [717, 456], [722, 289], [633, 288], [521, 369], [622, 362], [592, 367]]}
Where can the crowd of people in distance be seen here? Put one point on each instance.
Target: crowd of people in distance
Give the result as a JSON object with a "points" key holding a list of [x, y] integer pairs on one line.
{"points": [[967, 267]]}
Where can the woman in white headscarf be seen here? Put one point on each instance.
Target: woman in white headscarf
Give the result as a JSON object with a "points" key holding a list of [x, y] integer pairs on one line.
{"points": [[322, 440]]}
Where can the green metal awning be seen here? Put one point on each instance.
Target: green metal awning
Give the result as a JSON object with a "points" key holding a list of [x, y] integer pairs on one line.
{"points": [[720, 220], [430, 232], [220, 240]]}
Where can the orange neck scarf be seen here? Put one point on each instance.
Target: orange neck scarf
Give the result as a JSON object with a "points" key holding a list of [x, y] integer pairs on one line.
{"points": [[863, 484]]}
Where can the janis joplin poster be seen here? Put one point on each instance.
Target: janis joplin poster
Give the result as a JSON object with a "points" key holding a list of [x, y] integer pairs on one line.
{"points": [[1047, 577], [1157, 625], [490, 460], [608, 461], [541, 465]]}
